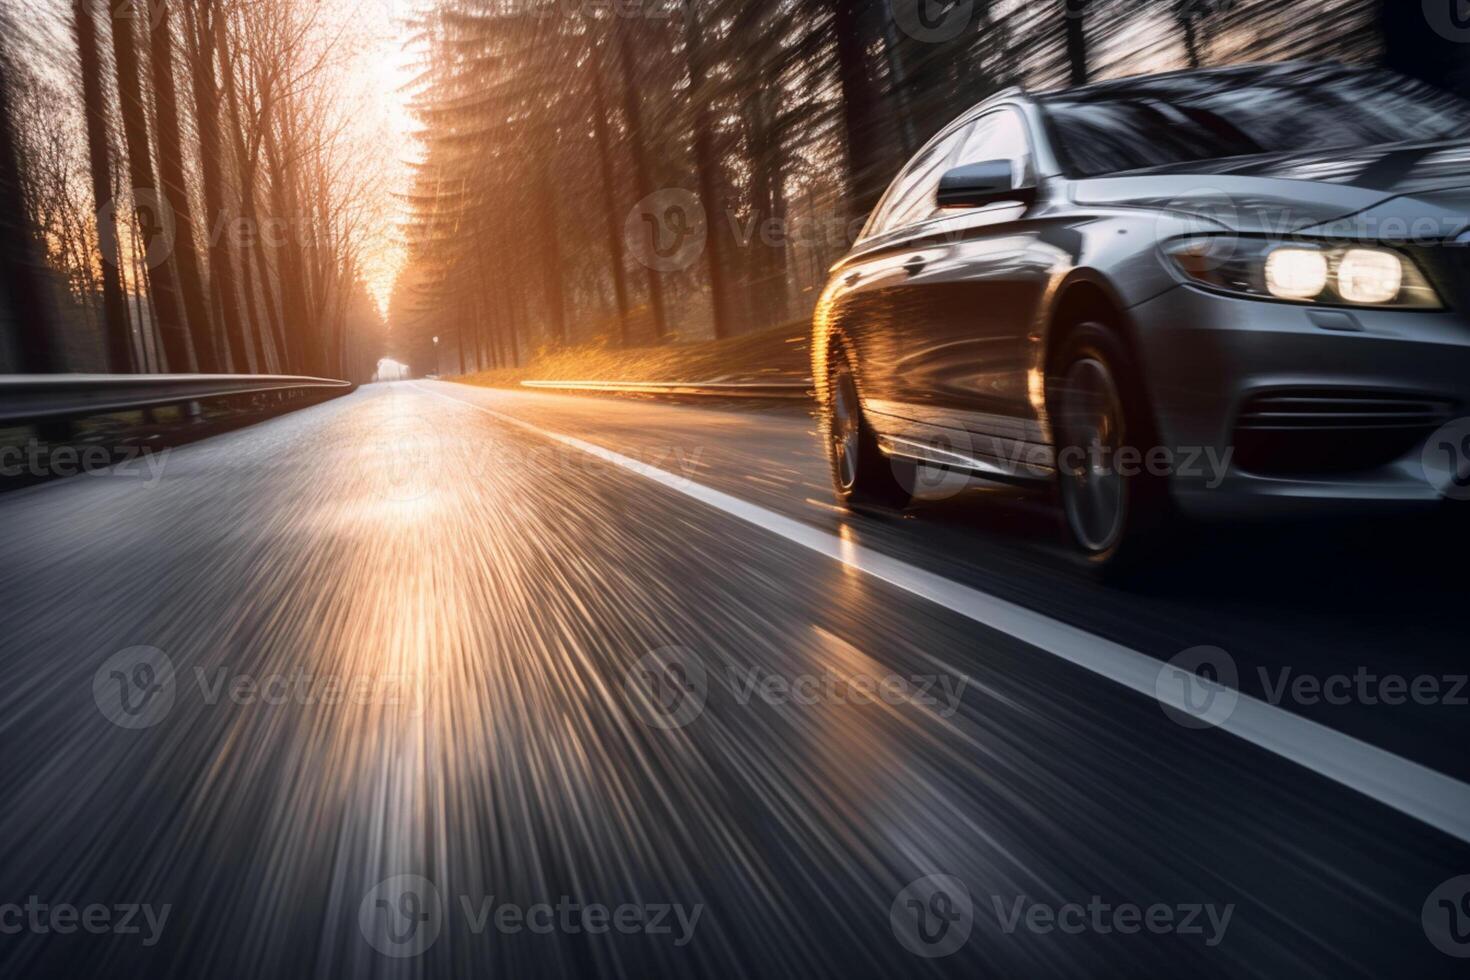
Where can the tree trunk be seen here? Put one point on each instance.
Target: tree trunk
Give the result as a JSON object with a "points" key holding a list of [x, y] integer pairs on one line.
{"points": [[291, 266], [253, 314], [201, 21], [164, 288], [1076, 12], [551, 260], [610, 199], [642, 174], [117, 329], [1191, 42], [22, 296], [252, 252], [768, 285], [707, 163], [898, 81], [860, 107], [175, 193], [459, 335]]}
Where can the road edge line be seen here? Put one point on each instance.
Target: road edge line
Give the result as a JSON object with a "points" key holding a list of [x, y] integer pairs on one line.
{"points": [[1401, 784]]}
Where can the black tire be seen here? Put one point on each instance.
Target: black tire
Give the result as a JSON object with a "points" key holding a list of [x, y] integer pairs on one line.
{"points": [[863, 476], [1116, 517]]}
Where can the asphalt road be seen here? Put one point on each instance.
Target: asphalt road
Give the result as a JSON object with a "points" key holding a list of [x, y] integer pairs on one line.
{"points": [[426, 680]]}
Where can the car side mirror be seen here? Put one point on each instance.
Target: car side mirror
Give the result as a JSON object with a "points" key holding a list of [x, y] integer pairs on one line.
{"points": [[977, 184]]}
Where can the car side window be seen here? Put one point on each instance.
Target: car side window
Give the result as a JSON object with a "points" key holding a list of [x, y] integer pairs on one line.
{"points": [[911, 197], [999, 135]]}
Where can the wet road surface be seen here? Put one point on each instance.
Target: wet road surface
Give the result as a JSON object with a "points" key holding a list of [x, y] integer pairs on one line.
{"points": [[415, 682]]}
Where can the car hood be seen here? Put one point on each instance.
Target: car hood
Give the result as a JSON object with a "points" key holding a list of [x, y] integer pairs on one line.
{"points": [[1424, 184]]}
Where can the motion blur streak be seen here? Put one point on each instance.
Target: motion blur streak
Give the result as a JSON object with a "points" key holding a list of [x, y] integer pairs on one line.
{"points": [[498, 600], [1411, 789]]}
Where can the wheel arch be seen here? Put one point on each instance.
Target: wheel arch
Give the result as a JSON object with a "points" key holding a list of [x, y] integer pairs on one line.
{"points": [[1085, 295]]}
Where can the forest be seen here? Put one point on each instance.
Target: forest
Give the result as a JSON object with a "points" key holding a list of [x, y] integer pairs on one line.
{"points": [[196, 185]]}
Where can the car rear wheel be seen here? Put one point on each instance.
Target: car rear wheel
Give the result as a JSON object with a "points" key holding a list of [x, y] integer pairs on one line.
{"points": [[1113, 508], [862, 474]]}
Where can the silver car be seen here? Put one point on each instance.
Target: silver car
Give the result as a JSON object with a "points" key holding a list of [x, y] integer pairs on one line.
{"points": [[1201, 293]]}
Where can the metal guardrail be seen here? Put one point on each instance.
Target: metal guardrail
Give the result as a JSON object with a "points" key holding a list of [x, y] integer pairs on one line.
{"points": [[26, 397], [711, 389]]}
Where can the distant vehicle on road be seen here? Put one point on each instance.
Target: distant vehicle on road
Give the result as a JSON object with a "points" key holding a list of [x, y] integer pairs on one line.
{"points": [[1207, 292]]}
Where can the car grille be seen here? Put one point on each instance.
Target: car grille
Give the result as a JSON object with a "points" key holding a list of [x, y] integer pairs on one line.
{"points": [[1309, 408], [1325, 430]]}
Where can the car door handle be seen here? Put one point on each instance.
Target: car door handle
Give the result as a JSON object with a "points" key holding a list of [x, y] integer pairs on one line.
{"points": [[852, 278], [915, 265]]}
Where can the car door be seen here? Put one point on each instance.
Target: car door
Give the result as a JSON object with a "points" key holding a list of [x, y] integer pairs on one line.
{"points": [[977, 277], [875, 296]]}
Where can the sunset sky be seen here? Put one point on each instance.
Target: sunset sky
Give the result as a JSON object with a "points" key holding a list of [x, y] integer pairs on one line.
{"points": [[381, 69]]}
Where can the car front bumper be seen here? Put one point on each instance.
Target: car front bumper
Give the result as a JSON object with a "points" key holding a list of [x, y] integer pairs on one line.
{"points": [[1297, 408]]}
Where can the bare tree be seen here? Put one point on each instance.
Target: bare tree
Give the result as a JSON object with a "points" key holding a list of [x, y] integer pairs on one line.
{"points": [[150, 205], [115, 314], [24, 310], [175, 193]]}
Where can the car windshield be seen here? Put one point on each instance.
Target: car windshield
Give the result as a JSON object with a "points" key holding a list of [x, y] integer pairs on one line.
{"points": [[1181, 119]]}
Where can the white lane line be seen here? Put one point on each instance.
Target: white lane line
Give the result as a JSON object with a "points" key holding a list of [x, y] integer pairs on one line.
{"points": [[1406, 786]]}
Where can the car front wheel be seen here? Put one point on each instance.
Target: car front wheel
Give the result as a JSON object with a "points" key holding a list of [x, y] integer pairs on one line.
{"points": [[1113, 509], [862, 474]]}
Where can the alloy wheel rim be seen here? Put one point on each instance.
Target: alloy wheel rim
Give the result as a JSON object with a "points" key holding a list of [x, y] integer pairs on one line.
{"points": [[845, 444], [1092, 488]]}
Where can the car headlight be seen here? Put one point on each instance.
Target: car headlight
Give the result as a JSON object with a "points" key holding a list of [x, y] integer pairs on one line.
{"points": [[1304, 272], [1297, 273], [1370, 275]]}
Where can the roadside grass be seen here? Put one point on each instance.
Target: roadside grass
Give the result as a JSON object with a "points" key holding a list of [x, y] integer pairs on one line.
{"points": [[775, 354]]}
